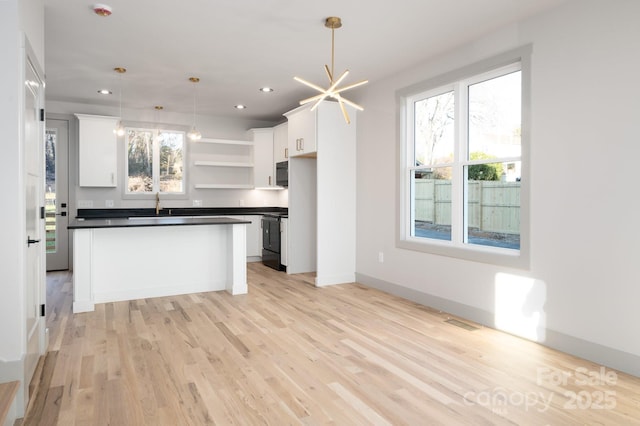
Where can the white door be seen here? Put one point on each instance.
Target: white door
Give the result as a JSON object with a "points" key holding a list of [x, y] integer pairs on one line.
{"points": [[34, 225], [56, 194]]}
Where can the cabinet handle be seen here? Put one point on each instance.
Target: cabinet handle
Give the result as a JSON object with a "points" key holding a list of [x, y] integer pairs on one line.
{"points": [[297, 144], [269, 180], [301, 144], [112, 178], [286, 153]]}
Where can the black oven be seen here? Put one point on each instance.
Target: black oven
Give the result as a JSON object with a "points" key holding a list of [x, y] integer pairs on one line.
{"points": [[271, 241], [282, 173]]}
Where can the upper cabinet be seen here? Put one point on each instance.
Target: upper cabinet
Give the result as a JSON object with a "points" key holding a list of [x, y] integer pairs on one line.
{"points": [[263, 164], [97, 151], [302, 134], [280, 143]]}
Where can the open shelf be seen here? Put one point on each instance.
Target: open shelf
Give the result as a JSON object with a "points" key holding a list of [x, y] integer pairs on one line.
{"points": [[222, 164], [221, 186], [225, 141]]}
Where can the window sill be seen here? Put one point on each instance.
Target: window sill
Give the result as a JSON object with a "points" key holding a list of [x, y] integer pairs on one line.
{"points": [[518, 259], [152, 196]]}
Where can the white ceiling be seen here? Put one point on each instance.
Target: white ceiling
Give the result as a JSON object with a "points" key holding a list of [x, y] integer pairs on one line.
{"points": [[238, 46]]}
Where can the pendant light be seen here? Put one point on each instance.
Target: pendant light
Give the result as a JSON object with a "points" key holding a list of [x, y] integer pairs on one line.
{"points": [[119, 130], [194, 134], [332, 91], [158, 109]]}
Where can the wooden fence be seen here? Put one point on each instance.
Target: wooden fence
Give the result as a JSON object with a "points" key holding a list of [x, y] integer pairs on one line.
{"points": [[493, 206]]}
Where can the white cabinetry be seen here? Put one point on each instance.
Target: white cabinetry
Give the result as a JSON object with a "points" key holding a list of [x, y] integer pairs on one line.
{"points": [[228, 164], [254, 235], [302, 232], [280, 143], [263, 165], [205, 258], [302, 131], [254, 238], [322, 194], [97, 151]]}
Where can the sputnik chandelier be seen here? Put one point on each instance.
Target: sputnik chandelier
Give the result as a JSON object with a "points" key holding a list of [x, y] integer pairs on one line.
{"points": [[333, 91]]}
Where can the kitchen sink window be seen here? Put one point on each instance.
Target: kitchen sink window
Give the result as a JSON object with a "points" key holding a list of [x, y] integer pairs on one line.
{"points": [[155, 161], [463, 163]]}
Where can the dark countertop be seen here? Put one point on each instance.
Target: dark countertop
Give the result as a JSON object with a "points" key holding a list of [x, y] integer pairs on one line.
{"points": [[276, 215], [180, 211], [151, 221]]}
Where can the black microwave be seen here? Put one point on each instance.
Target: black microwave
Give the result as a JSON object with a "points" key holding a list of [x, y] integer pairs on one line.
{"points": [[282, 173]]}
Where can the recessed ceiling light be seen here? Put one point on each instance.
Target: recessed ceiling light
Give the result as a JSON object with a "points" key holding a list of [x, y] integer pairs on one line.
{"points": [[266, 89], [240, 106], [105, 92]]}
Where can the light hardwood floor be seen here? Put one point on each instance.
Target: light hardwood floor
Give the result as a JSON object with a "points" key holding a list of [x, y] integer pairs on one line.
{"points": [[290, 353]]}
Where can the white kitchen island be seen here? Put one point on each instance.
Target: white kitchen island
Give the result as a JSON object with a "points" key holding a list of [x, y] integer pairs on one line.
{"points": [[127, 259]]}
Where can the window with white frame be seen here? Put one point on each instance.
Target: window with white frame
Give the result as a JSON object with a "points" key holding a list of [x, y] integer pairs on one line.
{"points": [[462, 163], [154, 161]]}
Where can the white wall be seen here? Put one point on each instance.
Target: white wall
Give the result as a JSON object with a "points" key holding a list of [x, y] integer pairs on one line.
{"points": [[31, 13], [11, 253], [210, 127], [582, 287], [19, 20]]}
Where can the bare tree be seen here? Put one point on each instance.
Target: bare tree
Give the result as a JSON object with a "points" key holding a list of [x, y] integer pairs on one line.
{"points": [[432, 115]]}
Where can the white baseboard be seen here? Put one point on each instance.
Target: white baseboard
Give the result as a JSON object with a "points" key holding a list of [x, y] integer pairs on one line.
{"points": [[9, 372], [83, 306], [322, 281], [151, 292], [603, 355]]}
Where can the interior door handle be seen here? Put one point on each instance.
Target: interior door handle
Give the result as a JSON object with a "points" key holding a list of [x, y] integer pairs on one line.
{"points": [[30, 241]]}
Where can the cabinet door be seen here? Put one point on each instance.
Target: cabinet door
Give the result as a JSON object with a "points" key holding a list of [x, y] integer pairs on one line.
{"points": [[98, 151], [263, 165], [302, 132], [254, 236], [280, 143]]}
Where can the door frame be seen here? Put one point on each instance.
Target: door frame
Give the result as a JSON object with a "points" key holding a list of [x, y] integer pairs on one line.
{"points": [[38, 331], [65, 179], [72, 170]]}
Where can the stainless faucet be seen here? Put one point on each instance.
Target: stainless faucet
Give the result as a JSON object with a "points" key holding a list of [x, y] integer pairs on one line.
{"points": [[158, 208]]}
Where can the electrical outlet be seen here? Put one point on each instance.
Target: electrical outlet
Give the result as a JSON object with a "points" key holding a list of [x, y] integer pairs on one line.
{"points": [[85, 204], [380, 257], [108, 203], [197, 203]]}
